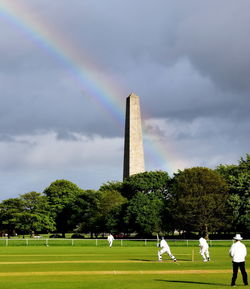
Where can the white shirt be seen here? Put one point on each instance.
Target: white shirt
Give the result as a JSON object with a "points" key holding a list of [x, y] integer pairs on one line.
{"points": [[164, 244], [203, 243], [238, 252], [110, 238]]}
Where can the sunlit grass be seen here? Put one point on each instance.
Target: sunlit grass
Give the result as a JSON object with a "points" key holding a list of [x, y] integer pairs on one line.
{"points": [[82, 267]]}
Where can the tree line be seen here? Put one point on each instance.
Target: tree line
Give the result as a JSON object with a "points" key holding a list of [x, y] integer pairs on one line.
{"points": [[195, 199]]}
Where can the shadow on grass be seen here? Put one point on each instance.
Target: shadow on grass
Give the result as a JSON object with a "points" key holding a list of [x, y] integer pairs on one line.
{"points": [[144, 260], [191, 282], [166, 260]]}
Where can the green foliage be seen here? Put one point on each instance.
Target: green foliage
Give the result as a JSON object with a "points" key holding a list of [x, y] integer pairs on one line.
{"points": [[238, 179], [85, 213], [237, 176], [35, 215], [97, 211], [110, 207], [198, 200], [28, 214], [61, 194], [195, 199], [8, 210], [143, 213], [146, 183], [113, 186]]}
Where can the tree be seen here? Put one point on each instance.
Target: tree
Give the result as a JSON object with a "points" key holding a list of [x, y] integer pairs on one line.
{"points": [[8, 211], [238, 180], [35, 214], [110, 208], [146, 183], [85, 212], [198, 201], [27, 214], [143, 214], [113, 186], [61, 195], [97, 211]]}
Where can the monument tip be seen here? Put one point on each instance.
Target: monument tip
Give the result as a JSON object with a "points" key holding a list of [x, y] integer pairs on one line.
{"points": [[133, 95]]}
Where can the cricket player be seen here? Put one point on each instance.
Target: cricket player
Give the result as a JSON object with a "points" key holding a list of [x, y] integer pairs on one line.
{"points": [[204, 248], [110, 240], [165, 249]]}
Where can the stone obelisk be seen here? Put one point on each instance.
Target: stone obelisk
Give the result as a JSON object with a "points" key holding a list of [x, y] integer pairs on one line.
{"points": [[133, 143]]}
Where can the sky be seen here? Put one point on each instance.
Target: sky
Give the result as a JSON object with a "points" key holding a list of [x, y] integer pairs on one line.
{"points": [[68, 66]]}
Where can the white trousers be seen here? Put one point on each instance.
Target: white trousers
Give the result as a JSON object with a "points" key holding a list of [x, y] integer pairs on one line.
{"points": [[204, 253], [165, 250]]}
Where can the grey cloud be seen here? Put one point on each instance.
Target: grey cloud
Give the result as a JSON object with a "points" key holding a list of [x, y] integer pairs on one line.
{"points": [[206, 141], [187, 60], [215, 37], [147, 52], [33, 161]]}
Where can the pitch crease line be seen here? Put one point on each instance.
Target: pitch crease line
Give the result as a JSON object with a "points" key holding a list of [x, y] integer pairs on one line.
{"points": [[81, 262], [149, 272]]}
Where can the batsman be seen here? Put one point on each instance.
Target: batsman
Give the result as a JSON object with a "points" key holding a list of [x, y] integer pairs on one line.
{"points": [[165, 249]]}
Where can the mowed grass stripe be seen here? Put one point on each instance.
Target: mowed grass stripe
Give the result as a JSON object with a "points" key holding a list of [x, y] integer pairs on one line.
{"points": [[72, 255], [148, 272], [84, 261]]}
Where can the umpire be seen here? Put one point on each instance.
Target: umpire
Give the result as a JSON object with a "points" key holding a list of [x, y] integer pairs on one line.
{"points": [[238, 253]]}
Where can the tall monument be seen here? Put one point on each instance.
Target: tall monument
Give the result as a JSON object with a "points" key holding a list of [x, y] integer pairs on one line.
{"points": [[133, 144]]}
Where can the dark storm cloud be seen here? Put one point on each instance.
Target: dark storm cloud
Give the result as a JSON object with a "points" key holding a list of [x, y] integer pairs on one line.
{"points": [[187, 60], [38, 94], [217, 41], [191, 56], [173, 51]]}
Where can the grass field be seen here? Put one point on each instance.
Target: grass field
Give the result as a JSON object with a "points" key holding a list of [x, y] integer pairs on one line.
{"points": [[124, 267]]}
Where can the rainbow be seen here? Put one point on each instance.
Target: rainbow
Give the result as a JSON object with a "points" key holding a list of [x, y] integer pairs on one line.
{"points": [[81, 70]]}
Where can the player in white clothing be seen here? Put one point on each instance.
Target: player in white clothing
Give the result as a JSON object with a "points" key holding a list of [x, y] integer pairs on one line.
{"points": [[110, 239], [204, 248], [165, 249], [238, 253]]}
